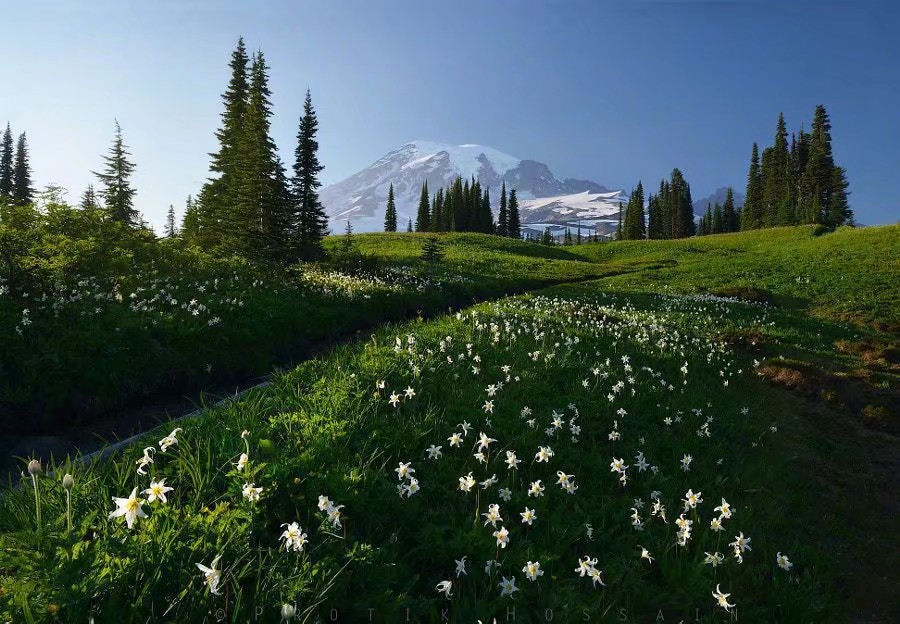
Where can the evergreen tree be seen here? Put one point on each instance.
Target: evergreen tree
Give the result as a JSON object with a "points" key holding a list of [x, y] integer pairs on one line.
{"points": [[190, 222], [23, 192], [776, 179], [437, 212], [409, 225], [681, 206], [487, 217], [751, 215], [423, 216], [503, 216], [117, 193], [514, 222], [717, 220], [390, 214], [546, 237], [567, 237], [6, 165], [169, 230], [633, 227], [311, 222], [347, 243], [258, 224], [837, 210], [619, 230], [216, 211], [654, 218], [89, 199], [729, 215]]}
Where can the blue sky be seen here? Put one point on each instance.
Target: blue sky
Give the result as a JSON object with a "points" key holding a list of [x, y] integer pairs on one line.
{"points": [[610, 91]]}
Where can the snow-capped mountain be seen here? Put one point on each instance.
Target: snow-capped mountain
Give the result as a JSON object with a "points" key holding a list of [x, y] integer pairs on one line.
{"points": [[543, 197]]}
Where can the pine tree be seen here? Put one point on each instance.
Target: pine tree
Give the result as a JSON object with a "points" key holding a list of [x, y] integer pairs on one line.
{"points": [[437, 212], [6, 165], [311, 222], [423, 215], [23, 192], [751, 215], [546, 237], [654, 218], [117, 193], [717, 220], [633, 227], [837, 210], [729, 216], [487, 217], [514, 222], [776, 170], [256, 226], [390, 214], [217, 206], [89, 199], [169, 230], [190, 222], [347, 243], [503, 216]]}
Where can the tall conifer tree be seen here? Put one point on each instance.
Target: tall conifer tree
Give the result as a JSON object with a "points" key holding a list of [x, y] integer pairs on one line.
{"points": [[390, 213], [751, 215], [503, 216], [23, 191], [6, 165], [117, 192], [423, 215], [312, 224], [514, 221]]}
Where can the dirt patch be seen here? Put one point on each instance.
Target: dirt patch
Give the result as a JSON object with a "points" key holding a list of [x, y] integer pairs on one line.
{"points": [[867, 397]]}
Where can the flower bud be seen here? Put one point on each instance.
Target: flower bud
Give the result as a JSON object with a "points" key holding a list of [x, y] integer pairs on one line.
{"points": [[288, 612], [34, 468], [245, 434], [68, 482]]}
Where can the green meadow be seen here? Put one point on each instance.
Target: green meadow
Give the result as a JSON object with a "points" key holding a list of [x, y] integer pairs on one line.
{"points": [[690, 430]]}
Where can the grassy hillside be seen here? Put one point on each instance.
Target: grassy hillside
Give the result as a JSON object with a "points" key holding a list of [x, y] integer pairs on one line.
{"points": [[787, 415], [852, 273]]}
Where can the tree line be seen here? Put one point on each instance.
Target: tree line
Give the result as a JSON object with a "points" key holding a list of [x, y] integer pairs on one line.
{"points": [[15, 170], [464, 206], [797, 182], [250, 206]]}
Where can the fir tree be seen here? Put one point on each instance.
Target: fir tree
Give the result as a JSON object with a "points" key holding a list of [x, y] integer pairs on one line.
{"points": [[729, 215], [217, 207], [169, 230], [347, 243], [437, 212], [390, 214], [23, 192], [312, 224], [776, 178], [654, 218], [503, 216], [514, 222], [409, 225], [837, 210], [717, 220], [633, 227], [190, 222], [256, 226], [6, 165], [423, 215], [89, 199], [117, 193], [546, 237], [751, 215], [487, 217]]}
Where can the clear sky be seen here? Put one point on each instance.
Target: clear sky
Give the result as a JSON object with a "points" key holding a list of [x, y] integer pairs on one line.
{"points": [[609, 91]]}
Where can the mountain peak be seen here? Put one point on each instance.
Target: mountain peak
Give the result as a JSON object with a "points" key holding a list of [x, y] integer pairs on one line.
{"points": [[362, 196]]}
